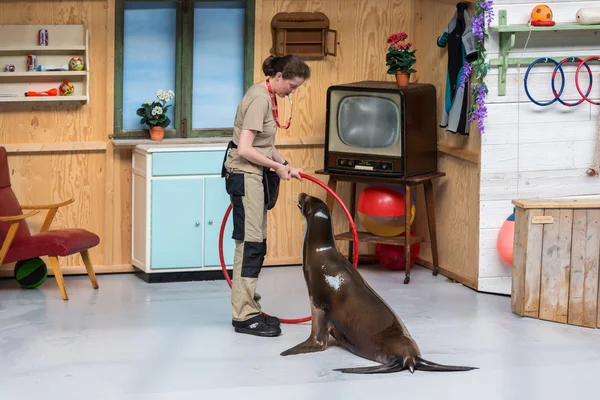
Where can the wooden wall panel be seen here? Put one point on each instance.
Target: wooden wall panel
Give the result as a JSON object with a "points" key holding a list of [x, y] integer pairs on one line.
{"points": [[44, 177], [100, 179], [363, 27], [456, 194]]}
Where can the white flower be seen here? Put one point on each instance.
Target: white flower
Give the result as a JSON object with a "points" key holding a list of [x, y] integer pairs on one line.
{"points": [[165, 96], [157, 110]]}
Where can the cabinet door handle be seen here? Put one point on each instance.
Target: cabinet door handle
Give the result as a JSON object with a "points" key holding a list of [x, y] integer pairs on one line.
{"points": [[197, 223], [210, 222]]}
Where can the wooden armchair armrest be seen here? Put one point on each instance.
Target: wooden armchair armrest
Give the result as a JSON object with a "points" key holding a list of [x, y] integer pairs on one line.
{"points": [[49, 206], [12, 231], [17, 218], [52, 209]]}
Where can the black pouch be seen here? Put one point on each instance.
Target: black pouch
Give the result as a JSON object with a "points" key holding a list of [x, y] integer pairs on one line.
{"points": [[234, 184], [271, 184]]}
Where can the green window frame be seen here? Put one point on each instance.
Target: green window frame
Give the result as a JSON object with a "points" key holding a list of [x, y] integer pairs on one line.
{"points": [[184, 53]]}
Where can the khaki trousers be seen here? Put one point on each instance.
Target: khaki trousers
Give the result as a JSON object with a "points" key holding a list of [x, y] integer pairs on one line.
{"points": [[250, 234]]}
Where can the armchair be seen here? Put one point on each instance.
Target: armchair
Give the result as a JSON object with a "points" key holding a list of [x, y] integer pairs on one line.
{"points": [[17, 242]]}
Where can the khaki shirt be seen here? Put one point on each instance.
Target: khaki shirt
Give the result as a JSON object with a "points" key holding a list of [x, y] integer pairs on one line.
{"points": [[254, 113]]}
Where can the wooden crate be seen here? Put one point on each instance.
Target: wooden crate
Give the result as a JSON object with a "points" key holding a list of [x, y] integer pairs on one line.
{"points": [[555, 260]]}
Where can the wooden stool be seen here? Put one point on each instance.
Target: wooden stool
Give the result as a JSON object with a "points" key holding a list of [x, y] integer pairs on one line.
{"points": [[406, 240]]}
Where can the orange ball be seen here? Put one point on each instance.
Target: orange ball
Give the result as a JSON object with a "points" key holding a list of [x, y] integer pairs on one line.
{"points": [[541, 13], [505, 241]]}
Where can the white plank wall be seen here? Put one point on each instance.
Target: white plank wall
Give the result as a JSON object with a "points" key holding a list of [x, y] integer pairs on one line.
{"points": [[530, 151]]}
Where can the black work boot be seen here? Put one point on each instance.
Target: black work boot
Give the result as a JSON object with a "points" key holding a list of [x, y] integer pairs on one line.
{"points": [[271, 320], [257, 326]]}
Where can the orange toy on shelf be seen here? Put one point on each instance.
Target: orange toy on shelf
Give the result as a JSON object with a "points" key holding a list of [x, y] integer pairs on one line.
{"points": [[50, 92], [541, 15]]}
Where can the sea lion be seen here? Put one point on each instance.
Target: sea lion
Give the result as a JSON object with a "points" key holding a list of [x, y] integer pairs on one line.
{"points": [[345, 306]]}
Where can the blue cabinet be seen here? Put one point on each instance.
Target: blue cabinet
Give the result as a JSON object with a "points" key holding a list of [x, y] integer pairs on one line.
{"points": [[214, 210], [177, 211], [179, 201]]}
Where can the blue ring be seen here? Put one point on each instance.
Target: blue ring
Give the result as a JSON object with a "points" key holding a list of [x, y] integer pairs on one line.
{"points": [[573, 59], [562, 74]]}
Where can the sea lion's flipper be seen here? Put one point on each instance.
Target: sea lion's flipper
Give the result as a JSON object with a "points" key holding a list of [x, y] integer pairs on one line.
{"points": [[409, 363], [424, 365], [376, 369], [317, 341]]}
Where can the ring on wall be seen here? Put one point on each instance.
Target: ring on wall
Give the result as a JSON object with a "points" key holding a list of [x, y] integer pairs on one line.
{"points": [[558, 67], [571, 59], [577, 80]]}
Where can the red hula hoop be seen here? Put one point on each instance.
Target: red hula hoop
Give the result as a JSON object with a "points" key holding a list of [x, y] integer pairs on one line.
{"points": [[341, 203], [577, 79]]}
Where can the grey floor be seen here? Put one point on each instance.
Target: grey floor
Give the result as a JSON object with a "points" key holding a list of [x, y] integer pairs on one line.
{"points": [[133, 340]]}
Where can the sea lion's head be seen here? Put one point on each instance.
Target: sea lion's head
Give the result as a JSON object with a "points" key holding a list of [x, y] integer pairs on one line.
{"points": [[312, 207]]}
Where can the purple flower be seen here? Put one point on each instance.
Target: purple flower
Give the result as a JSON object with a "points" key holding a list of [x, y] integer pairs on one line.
{"points": [[484, 13], [465, 76], [478, 26], [488, 9]]}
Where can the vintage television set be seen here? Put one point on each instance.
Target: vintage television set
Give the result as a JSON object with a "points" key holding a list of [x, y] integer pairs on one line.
{"points": [[377, 128]]}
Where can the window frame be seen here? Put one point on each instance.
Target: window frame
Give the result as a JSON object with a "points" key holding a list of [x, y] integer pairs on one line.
{"points": [[184, 55]]}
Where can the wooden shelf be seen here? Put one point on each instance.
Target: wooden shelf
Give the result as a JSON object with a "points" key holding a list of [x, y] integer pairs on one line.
{"points": [[370, 238], [41, 74], [459, 153], [64, 42], [21, 99], [41, 49], [506, 42], [556, 28]]}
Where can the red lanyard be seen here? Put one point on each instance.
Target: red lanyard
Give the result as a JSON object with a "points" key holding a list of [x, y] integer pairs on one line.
{"points": [[274, 107]]}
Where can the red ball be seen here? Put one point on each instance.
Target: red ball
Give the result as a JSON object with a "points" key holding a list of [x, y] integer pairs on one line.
{"points": [[381, 201], [392, 256]]}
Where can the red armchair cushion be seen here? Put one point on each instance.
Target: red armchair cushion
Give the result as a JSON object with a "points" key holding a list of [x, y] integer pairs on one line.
{"points": [[59, 242]]}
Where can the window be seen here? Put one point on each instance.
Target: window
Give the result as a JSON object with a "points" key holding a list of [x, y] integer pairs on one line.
{"points": [[202, 50]]}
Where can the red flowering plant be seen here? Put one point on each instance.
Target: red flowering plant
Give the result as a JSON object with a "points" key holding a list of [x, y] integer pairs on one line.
{"points": [[400, 57]]}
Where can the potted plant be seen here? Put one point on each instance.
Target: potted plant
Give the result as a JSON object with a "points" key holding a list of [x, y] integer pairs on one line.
{"points": [[154, 114], [400, 58]]}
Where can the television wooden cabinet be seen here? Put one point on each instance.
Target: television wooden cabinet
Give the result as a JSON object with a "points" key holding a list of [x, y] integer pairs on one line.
{"points": [[179, 201]]}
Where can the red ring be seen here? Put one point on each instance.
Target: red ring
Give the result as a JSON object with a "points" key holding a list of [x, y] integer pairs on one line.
{"points": [[577, 79], [350, 220]]}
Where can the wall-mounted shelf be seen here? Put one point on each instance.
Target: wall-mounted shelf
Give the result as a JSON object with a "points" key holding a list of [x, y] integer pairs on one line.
{"points": [[64, 42], [305, 34], [42, 74], [12, 49], [506, 36], [41, 99]]}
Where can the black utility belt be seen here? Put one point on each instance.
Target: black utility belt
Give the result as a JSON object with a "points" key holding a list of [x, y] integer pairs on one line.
{"points": [[234, 182]]}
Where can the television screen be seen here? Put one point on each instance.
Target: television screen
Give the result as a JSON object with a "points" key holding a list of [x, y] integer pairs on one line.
{"points": [[368, 121]]}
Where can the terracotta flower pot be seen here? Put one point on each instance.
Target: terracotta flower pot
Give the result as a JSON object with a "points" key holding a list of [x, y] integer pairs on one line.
{"points": [[402, 78], [157, 133]]}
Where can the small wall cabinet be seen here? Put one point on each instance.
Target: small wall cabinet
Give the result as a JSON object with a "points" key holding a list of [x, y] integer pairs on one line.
{"points": [[17, 42], [179, 201], [304, 34]]}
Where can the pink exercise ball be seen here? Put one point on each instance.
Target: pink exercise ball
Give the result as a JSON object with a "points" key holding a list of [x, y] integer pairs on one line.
{"points": [[505, 241]]}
